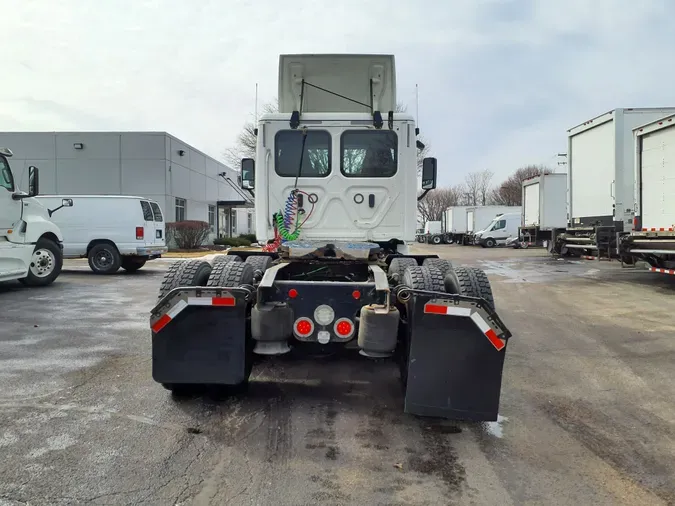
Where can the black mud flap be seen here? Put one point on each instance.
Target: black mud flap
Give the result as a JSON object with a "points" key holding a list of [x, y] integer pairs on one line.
{"points": [[455, 359], [199, 336]]}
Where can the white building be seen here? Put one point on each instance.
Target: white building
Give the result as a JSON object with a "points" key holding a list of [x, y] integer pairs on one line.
{"points": [[187, 184]]}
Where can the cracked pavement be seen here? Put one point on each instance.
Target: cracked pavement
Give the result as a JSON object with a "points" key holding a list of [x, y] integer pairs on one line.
{"points": [[586, 415]]}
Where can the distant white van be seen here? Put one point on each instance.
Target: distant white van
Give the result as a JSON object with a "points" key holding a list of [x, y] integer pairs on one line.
{"points": [[111, 231], [499, 230]]}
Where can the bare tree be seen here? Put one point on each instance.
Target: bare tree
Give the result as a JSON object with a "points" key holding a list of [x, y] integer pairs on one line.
{"points": [[431, 207], [510, 192], [477, 187], [245, 145]]}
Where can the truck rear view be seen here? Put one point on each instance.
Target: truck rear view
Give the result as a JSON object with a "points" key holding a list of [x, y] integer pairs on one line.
{"points": [[653, 237], [336, 204]]}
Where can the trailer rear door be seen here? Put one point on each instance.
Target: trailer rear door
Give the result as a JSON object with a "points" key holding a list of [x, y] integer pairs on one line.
{"points": [[658, 179], [531, 204]]}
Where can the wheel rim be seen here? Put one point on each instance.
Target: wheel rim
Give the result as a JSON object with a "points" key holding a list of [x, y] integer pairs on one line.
{"points": [[42, 263], [103, 259]]}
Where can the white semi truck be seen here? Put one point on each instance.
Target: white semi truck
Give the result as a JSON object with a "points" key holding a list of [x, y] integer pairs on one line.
{"points": [[544, 213], [652, 239], [336, 197], [601, 182], [31, 245]]}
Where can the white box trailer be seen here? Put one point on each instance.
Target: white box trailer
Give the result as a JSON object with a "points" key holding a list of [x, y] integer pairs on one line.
{"points": [[653, 237], [544, 207], [600, 168], [454, 224], [479, 217]]}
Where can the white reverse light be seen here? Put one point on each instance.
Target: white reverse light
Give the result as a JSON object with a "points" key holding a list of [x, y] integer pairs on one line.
{"points": [[324, 315]]}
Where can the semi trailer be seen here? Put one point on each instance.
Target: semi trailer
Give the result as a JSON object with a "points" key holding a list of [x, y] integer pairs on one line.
{"points": [[601, 182], [652, 239], [31, 244], [544, 207], [335, 181], [453, 224]]}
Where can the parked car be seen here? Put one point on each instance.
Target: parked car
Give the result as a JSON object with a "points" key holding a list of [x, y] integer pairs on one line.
{"points": [[111, 231]]}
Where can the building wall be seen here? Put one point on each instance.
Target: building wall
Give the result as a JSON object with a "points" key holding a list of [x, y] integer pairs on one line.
{"points": [[147, 164]]}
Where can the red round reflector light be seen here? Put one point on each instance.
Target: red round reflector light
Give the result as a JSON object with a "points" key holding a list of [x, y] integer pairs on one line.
{"points": [[304, 327], [356, 294], [344, 327], [292, 293]]}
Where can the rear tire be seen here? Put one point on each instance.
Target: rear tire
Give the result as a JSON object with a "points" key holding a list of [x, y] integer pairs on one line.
{"points": [[439, 264], [46, 264], [472, 282], [104, 258], [423, 278], [226, 258], [398, 266], [490, 242], [260, 264], [231, 274], [185, 273], [437, 239]]}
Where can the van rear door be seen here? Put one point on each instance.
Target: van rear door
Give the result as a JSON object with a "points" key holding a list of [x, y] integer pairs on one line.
{"points": [[148, 235], [160, 232]]}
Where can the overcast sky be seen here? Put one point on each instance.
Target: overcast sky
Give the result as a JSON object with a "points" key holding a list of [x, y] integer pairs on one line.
{"points": [[500, 81]]}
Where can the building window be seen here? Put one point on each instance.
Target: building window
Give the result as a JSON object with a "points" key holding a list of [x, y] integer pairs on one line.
{"points": [[212, 218], [234, 222], [250, 222], [180, 209]]}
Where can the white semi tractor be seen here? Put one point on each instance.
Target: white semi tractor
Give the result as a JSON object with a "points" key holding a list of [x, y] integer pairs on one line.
{"points": [[336, 178], [544, 207], [601, 182], [652, 239], [31, 245]]}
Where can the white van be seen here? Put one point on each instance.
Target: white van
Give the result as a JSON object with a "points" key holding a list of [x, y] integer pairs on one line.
{"points": [[111, 231], [499, 230]]}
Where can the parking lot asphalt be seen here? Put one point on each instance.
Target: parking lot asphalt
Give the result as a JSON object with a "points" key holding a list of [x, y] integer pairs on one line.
{"points": [[587, 412]]}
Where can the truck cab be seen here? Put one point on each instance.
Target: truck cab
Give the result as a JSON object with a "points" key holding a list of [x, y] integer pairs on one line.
{"points": [[354, 172], [31, 245]]}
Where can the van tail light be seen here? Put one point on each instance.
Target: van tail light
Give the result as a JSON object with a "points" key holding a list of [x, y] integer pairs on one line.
{"points": [[140, 233]]}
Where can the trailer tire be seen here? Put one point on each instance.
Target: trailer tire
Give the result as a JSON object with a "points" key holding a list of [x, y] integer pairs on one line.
{"points": [[260, 264], [398, 266], [185, 273], [439, 264], [436, 239], [231, 274], [472, 282], [420, 277]]}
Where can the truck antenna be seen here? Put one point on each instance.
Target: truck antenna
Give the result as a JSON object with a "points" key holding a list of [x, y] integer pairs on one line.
{"points": [[417, 110], [255, 123]]}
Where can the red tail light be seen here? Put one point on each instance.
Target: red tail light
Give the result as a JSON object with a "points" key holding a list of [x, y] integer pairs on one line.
{"points": [[344, 327], [139, 233], [304, 327]]}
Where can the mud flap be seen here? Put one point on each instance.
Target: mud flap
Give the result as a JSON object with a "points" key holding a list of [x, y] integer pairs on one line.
{"points": [[455, 358], [200, 336]]}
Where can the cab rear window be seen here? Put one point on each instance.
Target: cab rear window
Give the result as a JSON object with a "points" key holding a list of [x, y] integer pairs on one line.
{"points": [[147, 210], [156, 211]]}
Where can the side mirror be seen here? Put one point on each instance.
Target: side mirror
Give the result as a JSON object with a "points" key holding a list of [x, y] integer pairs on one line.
{"points": [[248, 173], [429, 173], [33, 181], [67, 203]]}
